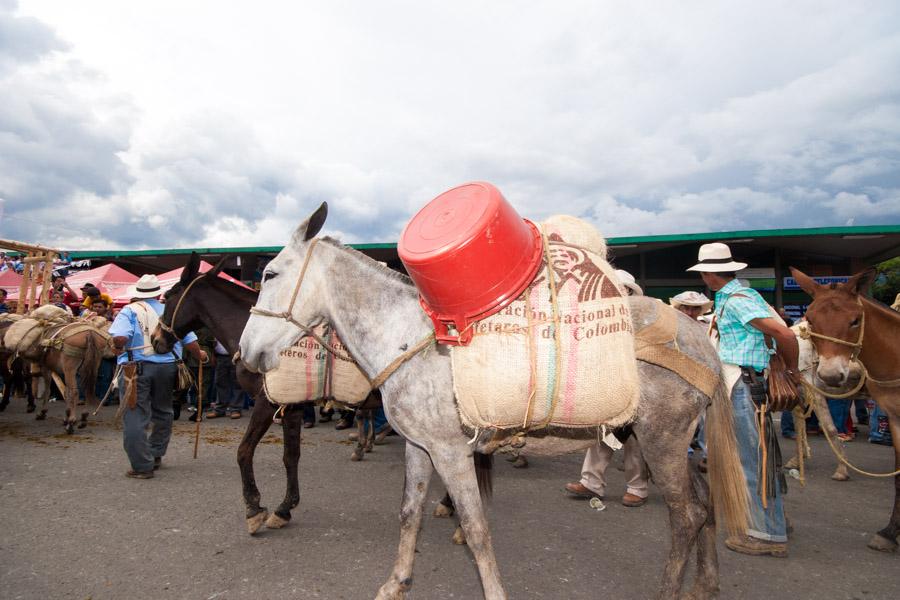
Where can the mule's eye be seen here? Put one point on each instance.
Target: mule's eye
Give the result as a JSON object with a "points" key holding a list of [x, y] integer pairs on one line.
{"points": [[855, 322], [269, 275]]}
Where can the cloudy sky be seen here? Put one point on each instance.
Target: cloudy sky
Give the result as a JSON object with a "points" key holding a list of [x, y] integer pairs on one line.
{"points": [[177, 124]]}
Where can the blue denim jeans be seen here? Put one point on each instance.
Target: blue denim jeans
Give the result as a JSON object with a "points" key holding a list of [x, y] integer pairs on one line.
{"points": [[765, 523], [840, 412]]}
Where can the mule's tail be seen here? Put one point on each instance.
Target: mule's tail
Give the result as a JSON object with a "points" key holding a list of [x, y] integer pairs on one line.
{"points": [[90, 364], [728, 486], [484, 473]]}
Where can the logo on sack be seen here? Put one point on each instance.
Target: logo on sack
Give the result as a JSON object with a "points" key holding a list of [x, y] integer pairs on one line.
{"points": [[573, 266]]}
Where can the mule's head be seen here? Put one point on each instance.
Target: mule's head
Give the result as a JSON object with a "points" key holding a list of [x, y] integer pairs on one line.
{"points": [[836, 312], [189, 308], [265, 335]]}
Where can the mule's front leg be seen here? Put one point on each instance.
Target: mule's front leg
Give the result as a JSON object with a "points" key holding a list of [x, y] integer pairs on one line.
{"points": [[293, 419], [260, 421], [886, 539], [415, 488]]}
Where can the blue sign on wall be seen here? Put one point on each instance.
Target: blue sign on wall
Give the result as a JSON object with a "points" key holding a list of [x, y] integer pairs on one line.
{"points": [[791, 284]]}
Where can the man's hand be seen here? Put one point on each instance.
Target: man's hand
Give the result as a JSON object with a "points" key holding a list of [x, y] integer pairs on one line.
{"points": [[119, 344]]}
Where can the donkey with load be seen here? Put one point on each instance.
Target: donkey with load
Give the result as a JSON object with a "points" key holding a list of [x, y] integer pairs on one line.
{"points": [[380, 320]]}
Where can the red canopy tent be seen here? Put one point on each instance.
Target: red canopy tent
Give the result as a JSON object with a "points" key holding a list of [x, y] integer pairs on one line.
{"points": [[168, 280], [10, 281]]}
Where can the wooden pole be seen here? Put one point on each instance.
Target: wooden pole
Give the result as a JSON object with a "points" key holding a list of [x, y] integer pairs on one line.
{"points": [[23, 289], [26, 248], [48, 276], [33, 287], [199, 406]]}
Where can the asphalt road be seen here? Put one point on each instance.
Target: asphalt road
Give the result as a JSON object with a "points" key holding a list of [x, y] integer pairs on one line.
{"points": [[72, 526]]}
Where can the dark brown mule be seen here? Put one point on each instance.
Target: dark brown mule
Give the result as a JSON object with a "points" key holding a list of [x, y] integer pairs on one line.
{"points": [[14, 373], [845, 324], [224, 308]]}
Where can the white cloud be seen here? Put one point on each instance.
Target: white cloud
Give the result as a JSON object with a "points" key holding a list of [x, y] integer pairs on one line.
{"points": [[646, 118]]}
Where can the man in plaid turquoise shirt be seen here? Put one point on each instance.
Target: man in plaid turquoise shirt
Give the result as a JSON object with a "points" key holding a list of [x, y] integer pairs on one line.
{"points": [[743, 320]]}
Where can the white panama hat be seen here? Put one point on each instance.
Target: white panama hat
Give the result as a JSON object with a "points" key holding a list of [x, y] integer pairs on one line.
{"points": [[716, 258], [627, 280], [691, 298], [146, 287]]}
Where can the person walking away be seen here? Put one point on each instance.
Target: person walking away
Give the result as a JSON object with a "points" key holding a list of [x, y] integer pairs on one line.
{"points": [[147, 382], [742, 321], [598, 456]]}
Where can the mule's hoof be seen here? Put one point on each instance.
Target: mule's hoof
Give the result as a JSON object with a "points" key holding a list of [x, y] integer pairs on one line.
{"points": [[275, 522], [31, 409], [3, 406], [442, 511], [838, 476], [82, 424], [394, 590], [356, 456], [459, 537], [70, 428], [882, 544], [256, 521], [41, 416]]}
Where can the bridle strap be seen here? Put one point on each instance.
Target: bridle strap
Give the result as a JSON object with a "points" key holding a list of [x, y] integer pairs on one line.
{"points": [[171, 328], [288, 315]]}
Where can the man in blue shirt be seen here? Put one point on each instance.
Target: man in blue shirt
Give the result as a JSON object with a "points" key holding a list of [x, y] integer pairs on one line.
{"points": [[153, 375], [743, 320]]}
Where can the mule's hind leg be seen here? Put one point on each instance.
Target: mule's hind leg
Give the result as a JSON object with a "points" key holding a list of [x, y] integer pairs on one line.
{"points": [[260, 421], [457, 471], [415, 488], [665, 447], [706, 579], [293, 420], [359, 451]]}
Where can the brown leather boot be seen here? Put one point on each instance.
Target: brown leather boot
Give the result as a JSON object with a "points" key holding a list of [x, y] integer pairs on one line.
{"points": [[756, 547], [633, 501], [578, 490]]}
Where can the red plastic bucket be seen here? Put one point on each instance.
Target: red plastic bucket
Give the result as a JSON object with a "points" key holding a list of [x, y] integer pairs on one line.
{"points": [[469, 254]]}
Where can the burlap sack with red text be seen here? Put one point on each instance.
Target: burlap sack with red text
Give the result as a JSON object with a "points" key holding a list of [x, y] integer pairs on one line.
{"points": [[507, 377]]}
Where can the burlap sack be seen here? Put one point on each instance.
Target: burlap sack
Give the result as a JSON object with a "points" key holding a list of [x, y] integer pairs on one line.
{"points": [[511, 374], [348, 384], [308, 372], [24, 336]]}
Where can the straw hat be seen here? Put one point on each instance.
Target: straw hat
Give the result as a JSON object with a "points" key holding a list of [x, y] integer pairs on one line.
{"points": [[716, 258], [692, 299], [146, 287], [627, 280]]}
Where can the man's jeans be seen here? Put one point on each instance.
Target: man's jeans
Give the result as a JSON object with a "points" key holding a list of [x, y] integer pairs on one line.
{"points": [[155, 388], [765, 524]]}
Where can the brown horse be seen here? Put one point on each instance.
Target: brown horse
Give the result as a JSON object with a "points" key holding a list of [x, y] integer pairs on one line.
{"points": [[847, 327]]}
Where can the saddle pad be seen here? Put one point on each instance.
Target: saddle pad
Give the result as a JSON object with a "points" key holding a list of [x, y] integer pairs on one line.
{"points": [[308, 372], [512, 376]]}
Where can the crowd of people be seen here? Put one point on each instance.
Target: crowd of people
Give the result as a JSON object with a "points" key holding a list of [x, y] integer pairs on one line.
{"points": [[738, 318]]}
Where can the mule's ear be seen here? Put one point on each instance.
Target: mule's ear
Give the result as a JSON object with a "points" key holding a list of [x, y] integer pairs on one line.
{"points": [[859, 283], [806, 283], [309, 228], [214, 272], [190, 269]]}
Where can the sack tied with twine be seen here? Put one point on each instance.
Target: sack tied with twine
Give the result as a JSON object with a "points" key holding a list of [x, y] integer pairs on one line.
{"points": [[561, 355], [308, 371]]}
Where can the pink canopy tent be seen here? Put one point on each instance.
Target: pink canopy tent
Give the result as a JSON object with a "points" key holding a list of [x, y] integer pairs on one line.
{"points": [[10, 280], [110, 278], [168, 280]]}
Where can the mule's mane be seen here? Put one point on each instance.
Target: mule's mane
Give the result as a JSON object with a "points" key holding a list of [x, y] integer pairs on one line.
{"points": [[382, 268]]}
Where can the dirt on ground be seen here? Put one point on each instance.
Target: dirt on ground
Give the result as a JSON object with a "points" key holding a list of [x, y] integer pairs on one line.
{"points": [[72, 526]]}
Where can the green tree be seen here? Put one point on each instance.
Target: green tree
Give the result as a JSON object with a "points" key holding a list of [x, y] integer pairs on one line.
{"points": [[887, 283]]}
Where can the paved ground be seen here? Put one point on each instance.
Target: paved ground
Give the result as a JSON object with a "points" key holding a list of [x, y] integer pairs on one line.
{"points": [[71, 526]]}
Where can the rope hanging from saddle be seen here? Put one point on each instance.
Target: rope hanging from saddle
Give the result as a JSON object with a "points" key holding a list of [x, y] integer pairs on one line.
{"points": [[288, 316]]}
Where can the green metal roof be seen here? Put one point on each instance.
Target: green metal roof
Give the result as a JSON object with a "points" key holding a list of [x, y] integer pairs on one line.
{"points": [[859, 230]]}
